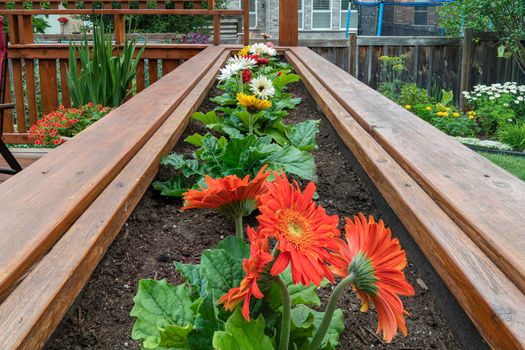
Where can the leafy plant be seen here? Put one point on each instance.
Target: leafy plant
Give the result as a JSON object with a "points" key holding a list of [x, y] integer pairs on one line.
{"points": [[513, 135], [412, 95], [105, 76], [218, 157], [456, 126], [392, 68]]}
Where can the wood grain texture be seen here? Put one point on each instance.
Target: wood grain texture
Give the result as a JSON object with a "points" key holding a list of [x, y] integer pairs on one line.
{"points": [[59, 195], [491, 300], [48, 85], [46, 293], [24, 156], [29, 67], [483, 199]]}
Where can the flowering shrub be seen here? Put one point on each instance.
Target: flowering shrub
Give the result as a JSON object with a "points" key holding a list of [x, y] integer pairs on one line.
{"points": [[260, 295], [198, 38], [65, 122], [250, 122]]}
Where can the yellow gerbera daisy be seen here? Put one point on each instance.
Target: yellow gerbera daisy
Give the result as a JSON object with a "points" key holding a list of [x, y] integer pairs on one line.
{"points": [[252, 103], [245, 51]]}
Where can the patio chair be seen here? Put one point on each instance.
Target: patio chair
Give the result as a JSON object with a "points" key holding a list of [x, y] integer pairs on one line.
{"points": [[4, 151]]}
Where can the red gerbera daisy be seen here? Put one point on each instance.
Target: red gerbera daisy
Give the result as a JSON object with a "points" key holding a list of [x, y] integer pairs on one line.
{"points": [[306, 235], [260, 257], [231, 195], [377, 261]]}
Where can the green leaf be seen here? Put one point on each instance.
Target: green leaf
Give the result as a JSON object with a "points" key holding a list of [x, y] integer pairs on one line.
{"points": [[337, 326], [302, 316], [224, 99], [208, 118], [294, 161], [304, 135], [235, 148], [172, 188], [285, 79], [302, 324], [159, 305], [240, 334], [222, 271], [191, 274], [175, 160], [206, 323], [236, 247], [175, 337], [195, 139], [299, 294]]}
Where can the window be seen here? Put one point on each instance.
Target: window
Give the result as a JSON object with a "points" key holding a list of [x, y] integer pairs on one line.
{"points": [[301, 13], [421, 15], [322, 14], [344, 15], [253, 13]]}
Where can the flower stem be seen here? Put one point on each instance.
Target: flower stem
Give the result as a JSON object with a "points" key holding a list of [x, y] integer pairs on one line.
{"points": [[250, 125], [287, 306], [329, 312], [239, 231]]}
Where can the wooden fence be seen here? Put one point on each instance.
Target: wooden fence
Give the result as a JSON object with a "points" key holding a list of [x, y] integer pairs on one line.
{"points": [[37, 79], [432, 62]]}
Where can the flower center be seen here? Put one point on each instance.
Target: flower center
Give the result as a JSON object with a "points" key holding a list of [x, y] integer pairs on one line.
{"points": [[295, 228]]}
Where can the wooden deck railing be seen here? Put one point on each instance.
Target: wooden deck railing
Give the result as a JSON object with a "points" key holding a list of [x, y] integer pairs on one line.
{"points": [[38, 71]]}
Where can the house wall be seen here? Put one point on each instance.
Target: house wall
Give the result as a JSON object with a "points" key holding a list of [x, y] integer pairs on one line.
{"points": [[268, 20]]}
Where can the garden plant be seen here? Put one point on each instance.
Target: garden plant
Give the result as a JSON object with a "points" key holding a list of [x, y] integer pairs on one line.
{"points": [[258, 289]]}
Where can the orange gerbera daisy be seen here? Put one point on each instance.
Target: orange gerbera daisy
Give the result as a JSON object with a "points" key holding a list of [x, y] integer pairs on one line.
{"points": [[231, 195], [260, 257], [306, 235], [377, 261]]}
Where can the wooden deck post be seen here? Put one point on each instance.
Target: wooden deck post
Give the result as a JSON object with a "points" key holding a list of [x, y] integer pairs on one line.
{"points": [[216, 29], [352, 54], [288, 23], [466, 61], [246, 29], [120, 29]]}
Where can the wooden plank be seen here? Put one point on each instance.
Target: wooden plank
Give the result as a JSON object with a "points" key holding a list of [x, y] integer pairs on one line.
{"points": [[48, 85], [19, 95], [489, 298], [8, 113], [141, 83], [486, 201], [153, 71], [216, 30], [86, 176], [31, 91], [363, 40], [178, 11], [60, 275], [168, 66], [66, 96], [466, 61], [25, 157]]}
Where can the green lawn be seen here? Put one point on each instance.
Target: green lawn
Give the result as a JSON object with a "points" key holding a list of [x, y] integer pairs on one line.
{"points": [[514, 165]]}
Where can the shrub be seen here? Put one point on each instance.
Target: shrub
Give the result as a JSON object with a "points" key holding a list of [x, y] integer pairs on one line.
{"points": [[413, 95], [456, 126], [392, 67], [513, 135], [104, 78], [65, 122]]}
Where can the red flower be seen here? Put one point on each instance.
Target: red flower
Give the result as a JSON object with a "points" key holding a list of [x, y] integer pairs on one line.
{"points": [[63, 20], [279, 73], [246, 76], [377, 261], [38, 142], [231, 195], [261, 61], [260, 257], [57, 142], [306, 235]]}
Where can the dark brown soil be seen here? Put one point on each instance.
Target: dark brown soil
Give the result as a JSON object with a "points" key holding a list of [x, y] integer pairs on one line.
{"points": [[158, 233]]}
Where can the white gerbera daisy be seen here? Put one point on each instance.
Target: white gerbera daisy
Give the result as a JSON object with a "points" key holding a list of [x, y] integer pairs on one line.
{"points": [[235, 65], [242, 62], [262, 49], [262, 87]]}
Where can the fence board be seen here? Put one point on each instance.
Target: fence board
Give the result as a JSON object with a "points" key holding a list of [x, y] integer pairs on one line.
{"points": [[66, 96], [48, 85]]}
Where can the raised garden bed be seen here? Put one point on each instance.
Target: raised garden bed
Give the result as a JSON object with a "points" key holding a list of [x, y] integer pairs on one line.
{"points": [[158, 233]]}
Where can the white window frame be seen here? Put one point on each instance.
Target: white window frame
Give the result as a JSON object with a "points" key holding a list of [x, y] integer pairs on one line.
{"points": [[301, 14], [321, 11], [252, 26], [341, 12]]}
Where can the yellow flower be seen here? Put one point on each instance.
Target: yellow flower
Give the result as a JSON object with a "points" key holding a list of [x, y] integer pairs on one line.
{"points": [[409, 107], [245, 51], [252, 103], [471, 116], [471, 113], [447, 109], [439, 114], [445, 114], [428, 108], [455, 114]]}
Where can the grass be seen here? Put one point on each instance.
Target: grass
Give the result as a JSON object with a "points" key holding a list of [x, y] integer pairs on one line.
{"points": [[513, 164]]}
